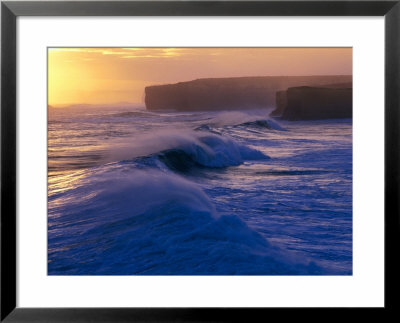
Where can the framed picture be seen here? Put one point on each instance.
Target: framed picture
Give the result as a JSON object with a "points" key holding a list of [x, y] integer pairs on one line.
{"points": [[198, 160]]}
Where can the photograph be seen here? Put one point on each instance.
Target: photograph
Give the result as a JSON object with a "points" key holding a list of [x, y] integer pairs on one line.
{"points": [[200, 161]]}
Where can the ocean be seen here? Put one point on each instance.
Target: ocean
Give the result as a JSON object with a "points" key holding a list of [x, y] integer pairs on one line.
{"points": [[137, 192]]}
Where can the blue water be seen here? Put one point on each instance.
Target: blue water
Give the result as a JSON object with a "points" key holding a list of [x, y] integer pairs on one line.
{"points": [[133, 192]]}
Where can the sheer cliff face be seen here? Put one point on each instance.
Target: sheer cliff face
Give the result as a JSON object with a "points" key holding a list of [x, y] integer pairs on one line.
{"points": [[228, 93], [199, 95], [322, 102], [312, 103], [281, 102]]}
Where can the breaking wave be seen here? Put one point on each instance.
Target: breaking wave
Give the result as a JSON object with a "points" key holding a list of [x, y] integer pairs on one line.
{"points": [[156, 193], [196, 147], [149, 222]]}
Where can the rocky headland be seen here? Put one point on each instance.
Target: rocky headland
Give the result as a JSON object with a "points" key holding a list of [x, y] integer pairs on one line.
{"points": [[237, 93]]}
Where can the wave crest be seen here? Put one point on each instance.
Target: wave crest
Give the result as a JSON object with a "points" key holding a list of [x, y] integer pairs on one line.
{"points": [[202, 148]]}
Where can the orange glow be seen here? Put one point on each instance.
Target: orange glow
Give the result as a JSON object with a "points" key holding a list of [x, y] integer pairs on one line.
{"points": [[112, 75]]}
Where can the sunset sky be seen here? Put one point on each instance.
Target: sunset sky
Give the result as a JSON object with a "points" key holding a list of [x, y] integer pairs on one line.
{"points": [[112, 75]]}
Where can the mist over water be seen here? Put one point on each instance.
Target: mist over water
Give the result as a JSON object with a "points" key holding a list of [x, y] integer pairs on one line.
{"points": [[133, 192]]}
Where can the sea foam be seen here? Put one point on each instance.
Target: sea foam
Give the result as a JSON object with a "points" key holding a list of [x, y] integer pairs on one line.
{"points": [[203, 148], [250, 118]]}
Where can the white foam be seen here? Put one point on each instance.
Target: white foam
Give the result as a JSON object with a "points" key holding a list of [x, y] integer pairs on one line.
{"points": [[205, 148]]}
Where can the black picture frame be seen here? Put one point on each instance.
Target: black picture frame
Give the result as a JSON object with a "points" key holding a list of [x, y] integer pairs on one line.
{"points": [[11, 10]]}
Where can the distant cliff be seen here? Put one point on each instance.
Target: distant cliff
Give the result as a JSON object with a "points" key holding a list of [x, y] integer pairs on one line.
{"points": [[280, 104], [312, 103], [229, 93]]}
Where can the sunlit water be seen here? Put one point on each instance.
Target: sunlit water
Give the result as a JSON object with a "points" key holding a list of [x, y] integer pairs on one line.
{"points": [[138, 192]]}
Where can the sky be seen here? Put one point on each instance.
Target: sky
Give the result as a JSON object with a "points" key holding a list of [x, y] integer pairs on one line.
{"points": [[115, 75]]}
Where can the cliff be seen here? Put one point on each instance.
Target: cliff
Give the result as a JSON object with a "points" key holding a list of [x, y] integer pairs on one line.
{"points": [[312, 103], [280, 104], [281, 101], [229, 93]]}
